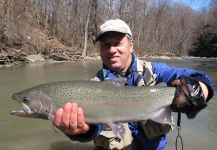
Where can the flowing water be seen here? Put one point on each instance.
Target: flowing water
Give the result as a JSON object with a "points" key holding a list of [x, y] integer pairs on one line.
{"points": [[17, 133]]}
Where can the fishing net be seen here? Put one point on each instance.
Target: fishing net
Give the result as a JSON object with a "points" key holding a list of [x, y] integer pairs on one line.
{"points": [[189, 97]]}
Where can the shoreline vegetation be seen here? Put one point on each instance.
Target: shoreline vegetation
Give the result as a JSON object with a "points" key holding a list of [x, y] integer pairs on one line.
{"points": [[45, 31]]}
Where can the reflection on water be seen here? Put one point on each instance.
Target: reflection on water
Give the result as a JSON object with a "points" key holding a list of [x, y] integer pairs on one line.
{"points": [[21, 133]]}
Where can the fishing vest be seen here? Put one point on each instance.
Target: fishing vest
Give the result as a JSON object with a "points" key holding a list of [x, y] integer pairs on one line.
{"points": [[107, 139]]}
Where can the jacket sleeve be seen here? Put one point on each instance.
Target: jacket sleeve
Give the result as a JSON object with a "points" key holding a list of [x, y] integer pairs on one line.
{"points": [[167, 74], [90, 135]]}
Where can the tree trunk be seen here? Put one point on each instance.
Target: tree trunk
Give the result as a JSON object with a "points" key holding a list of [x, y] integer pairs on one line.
{"points": [[84, 53]]}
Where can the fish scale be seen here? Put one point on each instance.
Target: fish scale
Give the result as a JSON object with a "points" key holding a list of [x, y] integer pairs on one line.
{"points": [[102, 102]]}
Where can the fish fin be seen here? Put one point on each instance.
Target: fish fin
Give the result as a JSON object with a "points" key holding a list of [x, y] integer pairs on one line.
{"points": [[162, 116], [51, 118], [118, 129]]}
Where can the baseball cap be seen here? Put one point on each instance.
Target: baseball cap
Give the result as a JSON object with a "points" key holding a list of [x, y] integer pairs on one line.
{"points": [[115, 25]]}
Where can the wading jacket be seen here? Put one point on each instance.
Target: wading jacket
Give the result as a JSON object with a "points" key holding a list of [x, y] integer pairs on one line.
{"points": [[141, 73]]}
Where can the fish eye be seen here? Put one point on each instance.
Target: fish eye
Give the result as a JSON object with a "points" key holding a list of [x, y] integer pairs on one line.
{"points": [[25, 99]]}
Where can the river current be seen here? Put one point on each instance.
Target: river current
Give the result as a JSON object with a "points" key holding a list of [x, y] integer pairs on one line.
{"points": [[17, 133]]}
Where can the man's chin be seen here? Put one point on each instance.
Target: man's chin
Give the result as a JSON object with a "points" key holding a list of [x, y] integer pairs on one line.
{"points": [[115, 68]]}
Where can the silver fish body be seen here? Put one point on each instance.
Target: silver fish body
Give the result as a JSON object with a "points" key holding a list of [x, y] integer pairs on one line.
{"points": [[102, 102]]}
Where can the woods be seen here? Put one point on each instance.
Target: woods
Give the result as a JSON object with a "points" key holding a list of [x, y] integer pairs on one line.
{"points": [[66, 29]]}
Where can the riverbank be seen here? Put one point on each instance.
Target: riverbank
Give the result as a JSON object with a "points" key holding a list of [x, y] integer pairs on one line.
{"points": [[23, 58], [9, 60]]}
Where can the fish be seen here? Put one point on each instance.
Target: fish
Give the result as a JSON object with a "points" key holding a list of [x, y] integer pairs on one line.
{"points": [[102, 102]]}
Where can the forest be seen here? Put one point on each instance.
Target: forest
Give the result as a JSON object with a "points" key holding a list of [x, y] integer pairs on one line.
{"points": [[66, 29]]}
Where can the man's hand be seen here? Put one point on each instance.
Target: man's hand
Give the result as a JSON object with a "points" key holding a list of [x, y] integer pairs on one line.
{"points": [[190, 96], [70, 119]]}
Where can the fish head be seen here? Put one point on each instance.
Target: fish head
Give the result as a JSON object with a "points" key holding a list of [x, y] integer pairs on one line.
{"points": [[35, 104]]}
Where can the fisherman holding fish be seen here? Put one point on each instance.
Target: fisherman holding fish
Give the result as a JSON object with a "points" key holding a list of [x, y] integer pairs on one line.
{"points": [[193, 91]]}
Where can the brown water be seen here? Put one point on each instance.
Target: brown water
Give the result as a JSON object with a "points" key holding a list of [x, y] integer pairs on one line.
{"points": [[18, 133]]}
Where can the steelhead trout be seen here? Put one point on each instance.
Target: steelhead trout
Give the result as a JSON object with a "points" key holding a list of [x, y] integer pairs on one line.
{"points": [[102, 102]]}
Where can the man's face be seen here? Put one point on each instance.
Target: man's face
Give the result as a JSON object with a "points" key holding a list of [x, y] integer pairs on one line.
{"points": [[115, 51]]}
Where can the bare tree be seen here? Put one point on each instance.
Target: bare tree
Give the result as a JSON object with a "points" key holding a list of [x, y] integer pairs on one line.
{"points": [[158, 26], [86, 31]]}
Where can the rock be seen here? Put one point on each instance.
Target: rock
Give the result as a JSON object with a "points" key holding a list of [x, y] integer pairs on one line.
{"points": [[35, 58]]}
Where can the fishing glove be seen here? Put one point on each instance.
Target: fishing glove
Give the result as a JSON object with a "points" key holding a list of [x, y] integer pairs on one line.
{"points": [[189, 97]]}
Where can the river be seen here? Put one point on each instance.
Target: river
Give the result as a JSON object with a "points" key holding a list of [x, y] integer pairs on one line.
{"points": [[17, 133]]}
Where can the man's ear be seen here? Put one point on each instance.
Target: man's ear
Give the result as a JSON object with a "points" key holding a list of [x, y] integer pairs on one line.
{"points": [[131, 46]]}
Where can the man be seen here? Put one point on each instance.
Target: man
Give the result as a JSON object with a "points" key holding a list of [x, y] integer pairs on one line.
{"points": [[193, 90]]}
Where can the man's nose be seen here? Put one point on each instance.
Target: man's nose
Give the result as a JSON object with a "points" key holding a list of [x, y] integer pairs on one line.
{"points": [[112, 49]]}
